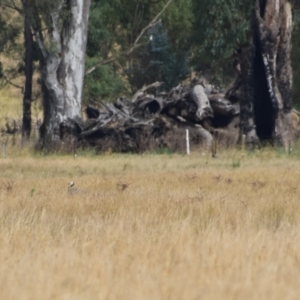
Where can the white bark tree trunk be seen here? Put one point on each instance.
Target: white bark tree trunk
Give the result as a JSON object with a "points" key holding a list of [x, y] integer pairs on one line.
{"points": [[63, 67], [71, 71]]}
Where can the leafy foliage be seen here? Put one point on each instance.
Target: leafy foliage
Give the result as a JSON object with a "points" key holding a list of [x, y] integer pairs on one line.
{"points": [[157, 61], [115, 25], [8, 34], [101, 33], [10, 31], [200, 34], [102, 84], [219, 28]]}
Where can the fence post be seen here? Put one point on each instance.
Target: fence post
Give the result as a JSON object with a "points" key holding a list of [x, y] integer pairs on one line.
{"points": [[214, 149], [290, 149], [187, 142], [243, 142]]}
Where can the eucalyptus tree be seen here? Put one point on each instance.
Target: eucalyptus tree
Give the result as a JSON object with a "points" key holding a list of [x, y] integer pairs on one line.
{"points": [[27, 98], [60, 30], [259, 34], [295, 55], [266, 75], [219, 29], [105, 81], [10, 31], [119, 45]]}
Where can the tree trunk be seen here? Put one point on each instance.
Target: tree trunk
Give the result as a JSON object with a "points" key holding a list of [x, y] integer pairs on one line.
{"points": [[266, 75], [63, 71], [26, 123]]}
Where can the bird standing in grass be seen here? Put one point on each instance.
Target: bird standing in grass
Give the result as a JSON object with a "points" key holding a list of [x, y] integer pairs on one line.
{"points": [[72, 190]]}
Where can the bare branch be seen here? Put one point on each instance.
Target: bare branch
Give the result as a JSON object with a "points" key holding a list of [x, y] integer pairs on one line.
{"points": [[40, 43], [105, 62], [54, 17], [152, 23], [8, 81], [11, 5], [135, 44], [156, 85], [19, 10]]}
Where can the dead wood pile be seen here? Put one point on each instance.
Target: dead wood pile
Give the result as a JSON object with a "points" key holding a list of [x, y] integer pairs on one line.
{"points": [[148, 122]]}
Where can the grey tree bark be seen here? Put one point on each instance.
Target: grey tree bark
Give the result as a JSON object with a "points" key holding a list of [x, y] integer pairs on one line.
{"points": [[26, 122], [62, 64], [265, 79]]}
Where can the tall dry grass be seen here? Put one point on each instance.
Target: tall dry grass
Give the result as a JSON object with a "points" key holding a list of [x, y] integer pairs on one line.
{"points": [[11, 104], [150, 227], [12, 107], [147, 227]]}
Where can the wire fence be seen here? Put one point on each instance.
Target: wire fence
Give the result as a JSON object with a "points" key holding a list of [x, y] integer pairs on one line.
{"points": [[134, 140], [178, 140]]}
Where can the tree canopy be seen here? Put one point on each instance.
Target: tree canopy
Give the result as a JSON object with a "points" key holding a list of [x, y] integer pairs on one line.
{"points": [[193, 36]]}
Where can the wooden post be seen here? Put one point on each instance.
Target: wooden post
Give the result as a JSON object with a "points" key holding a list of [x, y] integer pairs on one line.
{"points": [[243, 142], [74, 149], [187, 142], [214, 149], [290, 149]]}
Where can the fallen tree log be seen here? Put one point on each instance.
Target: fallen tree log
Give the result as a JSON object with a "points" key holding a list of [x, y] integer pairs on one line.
{"points": [[149, 122], [223, 107]]}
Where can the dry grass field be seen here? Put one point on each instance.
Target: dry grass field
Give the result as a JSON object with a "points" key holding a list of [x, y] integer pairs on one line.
{"points": [[150, 227]]}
